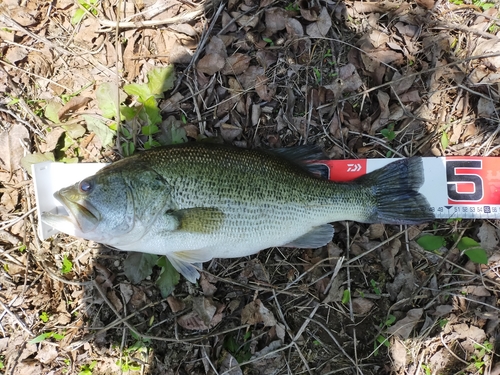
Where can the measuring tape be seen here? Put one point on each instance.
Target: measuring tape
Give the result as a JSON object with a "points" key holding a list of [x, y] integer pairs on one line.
{"points": [[456, 186]]}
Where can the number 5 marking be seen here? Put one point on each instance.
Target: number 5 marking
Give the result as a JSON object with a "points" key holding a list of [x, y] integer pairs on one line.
{"points": [[453, 179]]}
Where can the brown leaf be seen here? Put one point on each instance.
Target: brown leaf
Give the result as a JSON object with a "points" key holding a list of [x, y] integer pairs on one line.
{"points": [[74, 104], [255, 312], [175, 304], [320, 28], [309, 9], [11, 149], [275, 20], [210, 64], [46, 354], [236, 64], [216, 46], [403, 327], [361, 306], [262, 89]]}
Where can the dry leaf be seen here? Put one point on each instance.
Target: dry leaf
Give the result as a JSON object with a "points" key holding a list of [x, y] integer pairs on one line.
{"points": [[275, 20], [320, 28], [403, 327], [255, 312], [175, 304], [210, 64], [361, 306], [74, 104], [262, 89], [236, 64], [11, 149]]}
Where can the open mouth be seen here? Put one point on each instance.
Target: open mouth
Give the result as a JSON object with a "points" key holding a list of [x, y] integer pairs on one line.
{"points": [[81, 213]]}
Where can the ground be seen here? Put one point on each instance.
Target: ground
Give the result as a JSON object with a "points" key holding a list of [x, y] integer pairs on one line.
{"points": [[358, 79]]}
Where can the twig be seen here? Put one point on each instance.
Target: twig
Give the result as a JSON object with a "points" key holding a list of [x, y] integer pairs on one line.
{"points": [[16, 318]]}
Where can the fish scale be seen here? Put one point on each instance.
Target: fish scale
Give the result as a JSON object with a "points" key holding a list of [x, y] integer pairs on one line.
{"points": [[198, 201]]}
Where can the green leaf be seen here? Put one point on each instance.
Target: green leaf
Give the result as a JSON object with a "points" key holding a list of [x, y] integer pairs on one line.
{"points": [[44, 317], [161, 80], [106, 96], [346, 296], [101, 130], [152, 111], [467, 243], [444, 140], [128, 113], [141, 90], [478, 256], [50, 111], [138, 266], [169, 277], [75, 131], [150, 129], [40, 338], [67, 265], [430, 242], [128, 148], [77, 17]]}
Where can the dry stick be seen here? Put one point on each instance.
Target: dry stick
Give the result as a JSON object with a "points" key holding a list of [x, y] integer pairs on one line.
{"points": [[117, 78], [186, 17], [16, 318]]}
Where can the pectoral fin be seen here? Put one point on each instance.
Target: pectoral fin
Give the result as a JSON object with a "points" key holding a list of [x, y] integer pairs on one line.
{"points": [[182, 262], [317, 237], [199, 219]]}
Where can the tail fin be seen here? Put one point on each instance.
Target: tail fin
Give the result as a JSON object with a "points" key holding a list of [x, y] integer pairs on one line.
{"points": [[395, 187]]}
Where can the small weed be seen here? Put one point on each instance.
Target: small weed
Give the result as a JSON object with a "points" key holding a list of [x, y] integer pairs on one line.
{"points": [[467, 245], [45, 336], [479, 357], [2, 366], [443, 323], [67, 265], [44, 316], [241, 352], [346, 296], [444, 140], [87, 369], [268, 41], [389, 132], [317, 75], [292, 7], [138, 349], [381, 339], [88, 5], [426, 369], [375, 287]]}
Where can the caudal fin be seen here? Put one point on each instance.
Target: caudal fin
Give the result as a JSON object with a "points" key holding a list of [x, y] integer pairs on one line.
{"points": [[395, 187]]}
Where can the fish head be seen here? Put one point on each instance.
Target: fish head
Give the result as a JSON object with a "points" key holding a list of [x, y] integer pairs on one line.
{"points": [[99, 208], [116, 206]]}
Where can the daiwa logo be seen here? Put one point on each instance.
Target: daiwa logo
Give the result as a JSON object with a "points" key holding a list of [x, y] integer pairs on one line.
{"points": [[353, 167]]}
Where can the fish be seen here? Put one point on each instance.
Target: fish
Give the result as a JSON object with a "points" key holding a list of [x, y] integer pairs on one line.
{"points": [[198, 201]]}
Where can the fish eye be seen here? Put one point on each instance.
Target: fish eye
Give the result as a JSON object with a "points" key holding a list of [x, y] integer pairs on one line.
{"points": [[85, 186]]}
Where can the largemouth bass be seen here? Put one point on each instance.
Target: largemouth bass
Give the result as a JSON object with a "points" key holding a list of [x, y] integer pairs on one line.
{"points": [[198, 201]]}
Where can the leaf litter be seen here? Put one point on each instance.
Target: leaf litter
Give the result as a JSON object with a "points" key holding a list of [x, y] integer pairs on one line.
{"points": [[367, 80]]}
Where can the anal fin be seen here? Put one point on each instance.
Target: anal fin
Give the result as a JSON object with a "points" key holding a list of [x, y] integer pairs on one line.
{"points": [[317, 237], [183, 261]]}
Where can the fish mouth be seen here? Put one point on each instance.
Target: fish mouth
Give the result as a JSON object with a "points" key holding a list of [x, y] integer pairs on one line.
{"points": [[81, 213]]}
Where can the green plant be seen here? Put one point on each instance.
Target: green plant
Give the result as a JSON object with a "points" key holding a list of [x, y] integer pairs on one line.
{"points": [[317, 75], [381, 339], [473, 250], [389, 132], [427, 369], [67, 265], [139, 349], [44, 317], [375, 287], [479, 356], [346, 296], [87, 369], [268, 41], [431, 242], [87, 5], [240, 351], [45, 336], [292, 7], [444, 140]]}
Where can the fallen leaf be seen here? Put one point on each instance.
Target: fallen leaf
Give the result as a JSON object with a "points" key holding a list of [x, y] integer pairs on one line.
{"points": [[101, 130], [210, 64], [74, 104], [361, 306], [403, 327], [229, 365], [236, 64], [320, 28], [11, 149], [255, 312], [138, 266], [275, 19]]}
